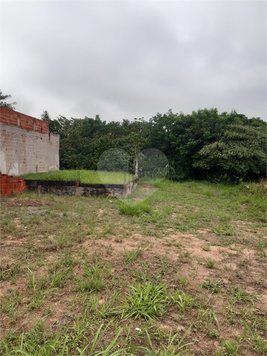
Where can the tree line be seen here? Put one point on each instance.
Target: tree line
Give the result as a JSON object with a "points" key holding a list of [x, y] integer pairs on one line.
{"points": [[204, 145]]}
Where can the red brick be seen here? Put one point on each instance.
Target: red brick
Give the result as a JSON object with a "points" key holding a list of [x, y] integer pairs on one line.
{"points": [[10, 117]]}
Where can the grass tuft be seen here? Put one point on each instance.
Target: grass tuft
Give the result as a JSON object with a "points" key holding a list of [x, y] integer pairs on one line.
{"points": [[133, 208], [213, 287], [144, 300], [132, 255]]}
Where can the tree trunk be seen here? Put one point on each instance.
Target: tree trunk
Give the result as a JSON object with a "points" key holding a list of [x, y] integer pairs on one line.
{"points": [[136, 162]]}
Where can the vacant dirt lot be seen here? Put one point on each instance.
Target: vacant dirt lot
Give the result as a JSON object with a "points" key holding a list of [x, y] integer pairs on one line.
{"points": [[179, 267]]}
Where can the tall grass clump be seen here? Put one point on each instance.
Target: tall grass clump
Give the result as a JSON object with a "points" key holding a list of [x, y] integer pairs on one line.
{"points": [[134, 209], [144, 300]]}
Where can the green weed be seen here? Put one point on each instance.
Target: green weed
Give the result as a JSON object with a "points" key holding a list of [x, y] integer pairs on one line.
{"points": [[8, 225], [231, 347], [94, 278], [183, 279], [10, 273], [260, 345], [170, 348], [212, 286], [144, 300], [206, 248], [132, 255], [238, 295], [210, 263], [134, 209], [184, 300]]}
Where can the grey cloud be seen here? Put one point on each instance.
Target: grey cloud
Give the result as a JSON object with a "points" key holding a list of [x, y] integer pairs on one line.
{"points": [[134, 59]]}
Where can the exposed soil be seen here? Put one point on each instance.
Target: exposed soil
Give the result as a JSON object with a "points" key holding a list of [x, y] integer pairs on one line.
{"points": [[186, 253]]}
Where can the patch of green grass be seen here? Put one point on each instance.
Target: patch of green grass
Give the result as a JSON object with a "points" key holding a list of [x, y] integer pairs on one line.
{"points": [[210, 263], [131, 255], [118, 239], [10, 273], [144, 300], [94, 280], [83, 176], [8, 225], [231, 347], [213, 287], [172, 345], [261, 246], [157, 215], [57, 278], [224, 230], [183, 300], [213, 333], [259, 345], [134, 208], [10, 304], [238, 295], [37, 301], [206, 248], [183, 279]]}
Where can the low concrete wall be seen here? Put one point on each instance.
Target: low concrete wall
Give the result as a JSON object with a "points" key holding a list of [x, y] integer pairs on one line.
{"points": [[82, 189]]}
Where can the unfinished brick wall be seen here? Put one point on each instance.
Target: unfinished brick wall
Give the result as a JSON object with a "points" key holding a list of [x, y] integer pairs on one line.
{"points": [[14, 118], [26, 146]]}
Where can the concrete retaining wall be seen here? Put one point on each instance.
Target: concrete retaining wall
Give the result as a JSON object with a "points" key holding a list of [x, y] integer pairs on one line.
{"points": [[26, 146], [82, 189]]}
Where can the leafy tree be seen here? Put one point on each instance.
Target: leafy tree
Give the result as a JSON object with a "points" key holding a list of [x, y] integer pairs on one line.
{"points": [[114, 160], [192, 133], [54, 125], [162, 132], [153, 164], [239, 154], [184, 139], [45, 116], [5, 104], [180, 137]]}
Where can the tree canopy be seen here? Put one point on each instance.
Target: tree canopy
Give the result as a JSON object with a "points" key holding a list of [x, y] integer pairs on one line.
{"points": [[238, 154], [202, 145]]}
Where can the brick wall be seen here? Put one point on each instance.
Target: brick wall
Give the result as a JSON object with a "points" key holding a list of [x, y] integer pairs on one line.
{"points": [[26, 146], [14, 118]]}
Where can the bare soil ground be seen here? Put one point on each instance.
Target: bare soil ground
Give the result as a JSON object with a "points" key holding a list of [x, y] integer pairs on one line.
{"points": [[46, 240]]}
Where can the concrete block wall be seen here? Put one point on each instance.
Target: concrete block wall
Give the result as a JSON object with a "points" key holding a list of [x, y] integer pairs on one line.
{"points": [[26, 146], [82, 189]]}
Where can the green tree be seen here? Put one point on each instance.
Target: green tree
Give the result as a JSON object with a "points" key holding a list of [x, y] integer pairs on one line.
{"points": [[45, 116], [4, 103], [180, 137], [54, 125], [239, 154], [191, 134]]}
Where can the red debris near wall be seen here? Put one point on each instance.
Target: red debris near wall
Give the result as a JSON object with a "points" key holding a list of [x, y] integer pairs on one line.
{"points": [[11, 185]]}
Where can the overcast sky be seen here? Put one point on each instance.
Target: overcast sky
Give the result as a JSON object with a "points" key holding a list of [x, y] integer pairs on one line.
{"points": [[127, 59]]}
